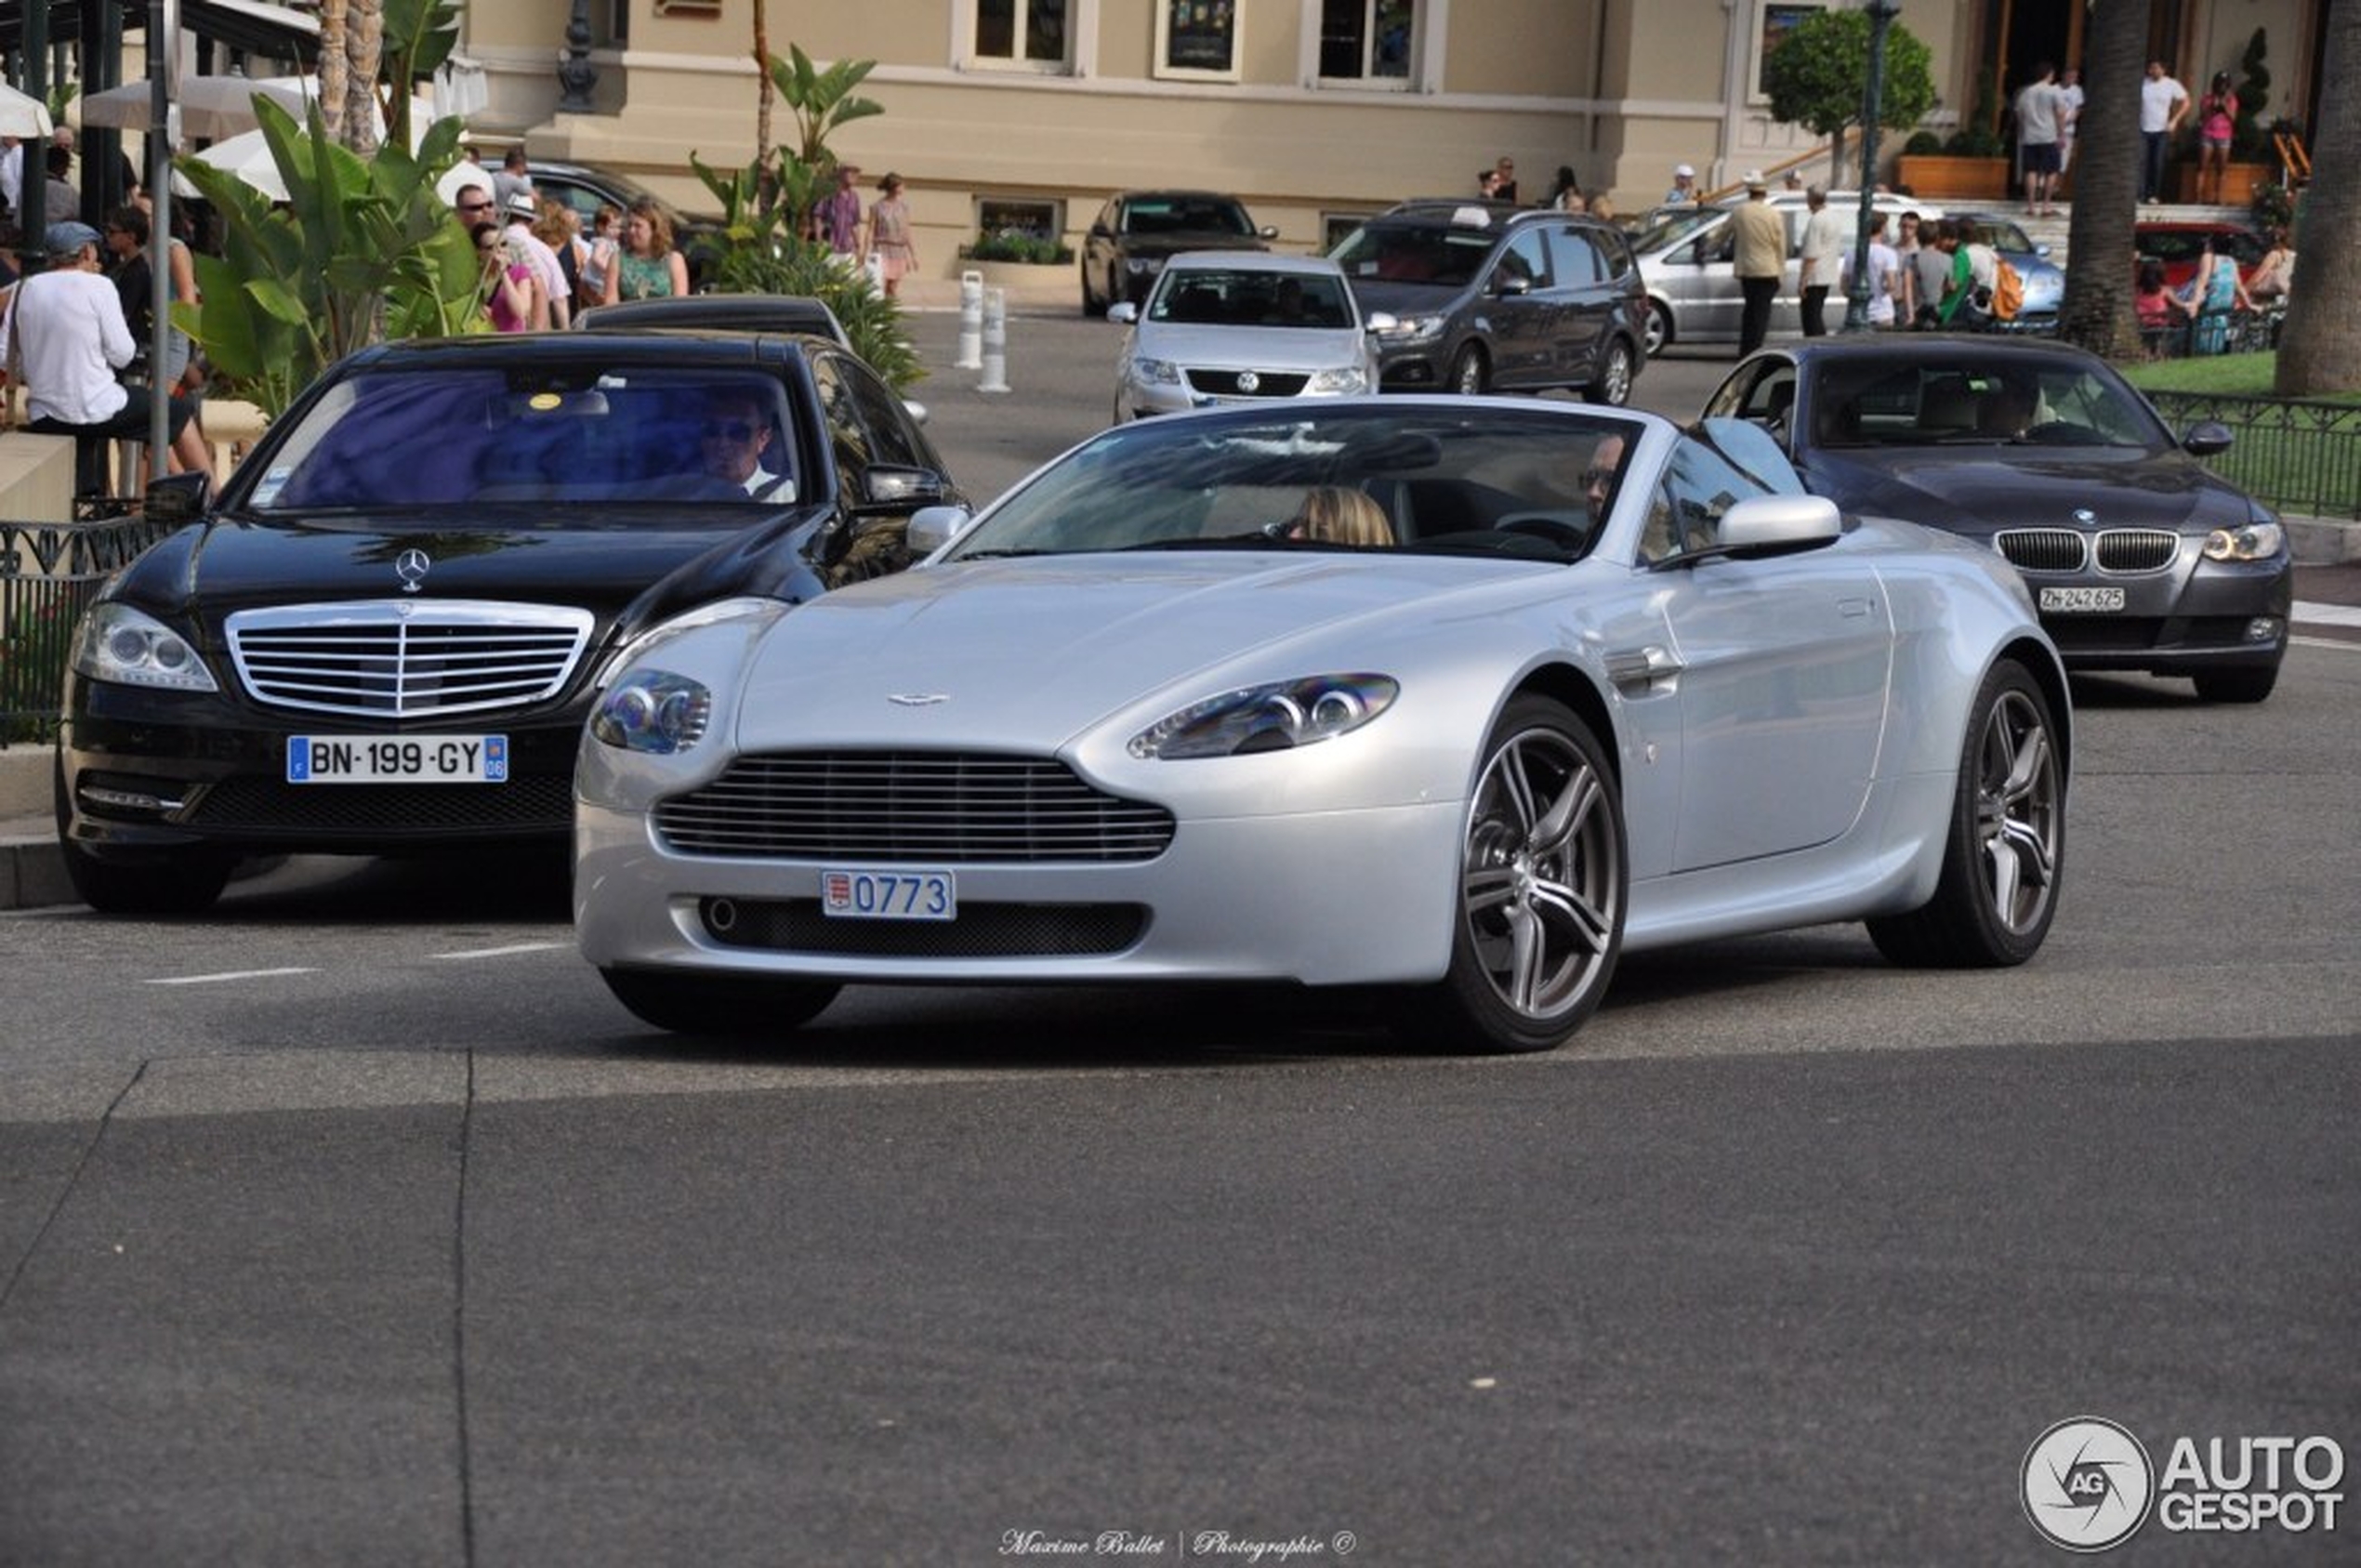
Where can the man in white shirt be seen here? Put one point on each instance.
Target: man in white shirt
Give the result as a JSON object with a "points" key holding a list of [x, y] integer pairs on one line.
{"points": [[1823, 255], [521, 211], [732, 443], [63, 339], [2163, 103], [2069, 111]]}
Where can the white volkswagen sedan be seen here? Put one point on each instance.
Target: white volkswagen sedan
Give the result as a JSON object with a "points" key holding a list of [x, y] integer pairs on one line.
{"points": [[1230, 326]]}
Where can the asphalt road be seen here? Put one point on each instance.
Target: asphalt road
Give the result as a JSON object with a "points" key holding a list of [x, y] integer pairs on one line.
{"points": [[354, 1224]]}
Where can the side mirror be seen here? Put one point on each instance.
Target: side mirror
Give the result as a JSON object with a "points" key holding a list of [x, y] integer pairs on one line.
{"points": [[1780, 522], [177, 498], [933, 527], [1269, 231], [1509, 285], [1123, 313], [888, 487], [1380, 321], [2206, 438], [916, 410]]}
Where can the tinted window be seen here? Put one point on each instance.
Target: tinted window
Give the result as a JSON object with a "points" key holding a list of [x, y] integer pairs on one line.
{"points": [[1526, 256], [1577, 258]]}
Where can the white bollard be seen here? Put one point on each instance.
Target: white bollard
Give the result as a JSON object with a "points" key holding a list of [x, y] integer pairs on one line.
{"points": [[996, 341], [970, 322]]}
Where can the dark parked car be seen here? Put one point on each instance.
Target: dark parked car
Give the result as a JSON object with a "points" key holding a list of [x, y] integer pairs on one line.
{"points": [[1484, 296], [586, 188], [2138, 558], [1136, 231], [386, 635], [2178, 244]]}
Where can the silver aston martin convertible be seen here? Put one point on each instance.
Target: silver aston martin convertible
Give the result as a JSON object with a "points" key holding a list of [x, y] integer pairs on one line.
{"points": [[1460, 697]]}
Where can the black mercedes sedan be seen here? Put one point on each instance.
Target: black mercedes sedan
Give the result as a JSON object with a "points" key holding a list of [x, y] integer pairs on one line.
{"points": [[385, 635], [2138, 558]]}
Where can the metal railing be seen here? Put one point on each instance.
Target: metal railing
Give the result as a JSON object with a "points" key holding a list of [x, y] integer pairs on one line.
{"points": [[49, 572], [2295, 456]]}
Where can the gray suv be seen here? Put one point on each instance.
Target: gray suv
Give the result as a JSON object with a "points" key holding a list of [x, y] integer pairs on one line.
{"points": [[1485, 295]]}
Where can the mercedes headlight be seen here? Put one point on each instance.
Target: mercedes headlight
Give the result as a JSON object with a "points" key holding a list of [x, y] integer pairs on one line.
{"points": [[654, 711], [1276, 716], [2256, 541], [118, 643]]}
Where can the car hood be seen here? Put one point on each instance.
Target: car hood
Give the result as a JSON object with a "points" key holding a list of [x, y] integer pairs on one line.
{"points": [[1032, 653], [1978, 491], [1262, 347], [1162, 245], [229, 565]]}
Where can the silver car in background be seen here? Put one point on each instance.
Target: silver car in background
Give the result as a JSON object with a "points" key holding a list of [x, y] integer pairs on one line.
{"points": [[1225, 326], [1692, 287]]}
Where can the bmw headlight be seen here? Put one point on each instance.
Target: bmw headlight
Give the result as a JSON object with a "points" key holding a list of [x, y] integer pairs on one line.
{"points": [[2256, 541], [1414, 329], [118, 643], [1277, 717], [1342, 381], [654, 711], [1155, 371]]}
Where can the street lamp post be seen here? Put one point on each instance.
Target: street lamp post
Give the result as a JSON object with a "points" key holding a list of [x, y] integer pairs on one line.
{"points": [[576, 75], [1857, 298]]}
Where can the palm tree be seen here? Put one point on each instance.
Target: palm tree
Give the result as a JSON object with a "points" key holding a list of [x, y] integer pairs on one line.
{"points": [[352, 42], [2321, 344], [2098, 312]]}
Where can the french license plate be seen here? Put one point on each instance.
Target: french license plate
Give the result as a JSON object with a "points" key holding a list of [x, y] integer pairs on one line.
{"points": [[2082, 601], [890, 895], [359, 760]]}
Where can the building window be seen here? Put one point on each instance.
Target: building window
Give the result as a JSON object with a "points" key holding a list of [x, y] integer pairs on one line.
{"points": [[1367, 40], [1031, 30], [1197, 39], [1018, 217]]}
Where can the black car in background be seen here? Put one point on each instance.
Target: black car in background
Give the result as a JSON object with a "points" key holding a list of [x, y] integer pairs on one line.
{"points": [[1488, 297], [1128, 242], [385, 634], [2138, 558]]}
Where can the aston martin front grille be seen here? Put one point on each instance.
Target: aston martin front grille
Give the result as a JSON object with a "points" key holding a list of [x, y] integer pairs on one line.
{"points": [[2043, 550], [863, 807], [2138, 549], [396, 658]]}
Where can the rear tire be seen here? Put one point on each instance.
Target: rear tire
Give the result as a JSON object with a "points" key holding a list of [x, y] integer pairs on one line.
{"points": [[2006, 850], [1659, 329], [2242, 685], [718, 1004], [1543, 885]]}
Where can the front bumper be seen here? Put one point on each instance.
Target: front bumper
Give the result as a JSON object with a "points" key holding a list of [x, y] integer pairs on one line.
{"points": [[2222, 615]]}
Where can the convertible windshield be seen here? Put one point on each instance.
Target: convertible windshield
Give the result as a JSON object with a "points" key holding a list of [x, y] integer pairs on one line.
{"points": [[1509, 481], [1966, 400], [468, 436]]}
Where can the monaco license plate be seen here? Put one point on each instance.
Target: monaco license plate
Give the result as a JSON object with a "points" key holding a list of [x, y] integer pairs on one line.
{"points": [[890, 895], [359, 759], [2082, 601]]}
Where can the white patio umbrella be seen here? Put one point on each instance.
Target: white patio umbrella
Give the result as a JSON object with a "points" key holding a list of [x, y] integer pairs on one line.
{"points": [[211, 107], [23, 115], [247, 155]]}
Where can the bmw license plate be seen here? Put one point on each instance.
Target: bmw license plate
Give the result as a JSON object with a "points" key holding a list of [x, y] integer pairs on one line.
{"points": [[2082, 601], [362, 759], [890, 895]]}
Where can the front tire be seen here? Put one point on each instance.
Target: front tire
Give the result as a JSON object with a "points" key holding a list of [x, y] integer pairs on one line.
{"points": [[1543, 885], [718, 1004], [2006, 851], [1470, 376], [2245, 684]]}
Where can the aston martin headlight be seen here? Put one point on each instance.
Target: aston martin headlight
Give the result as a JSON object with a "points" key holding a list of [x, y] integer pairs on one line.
{"points": [[116, 642], [1414, 329], [2256, 541], [1340, 381], [1278, 717], [1154, 371], [654, 711]]}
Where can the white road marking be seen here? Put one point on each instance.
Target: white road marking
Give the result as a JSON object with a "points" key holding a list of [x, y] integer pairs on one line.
{"points": [[228, 974], [2326, 614], [503, 952]]}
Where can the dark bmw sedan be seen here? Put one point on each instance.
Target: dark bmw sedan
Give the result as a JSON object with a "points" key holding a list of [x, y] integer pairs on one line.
{"points": [[385, 635], [2138, 558]]}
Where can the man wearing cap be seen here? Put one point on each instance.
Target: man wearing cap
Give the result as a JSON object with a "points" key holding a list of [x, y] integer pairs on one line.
{"points": [[1684, 187], [519, 216], [1759, 258], [1823, 254], [63, 339]]}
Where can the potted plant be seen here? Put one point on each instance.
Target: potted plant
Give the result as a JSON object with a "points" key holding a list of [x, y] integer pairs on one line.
{"points": [[1973, 166], [1010, 257]]}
